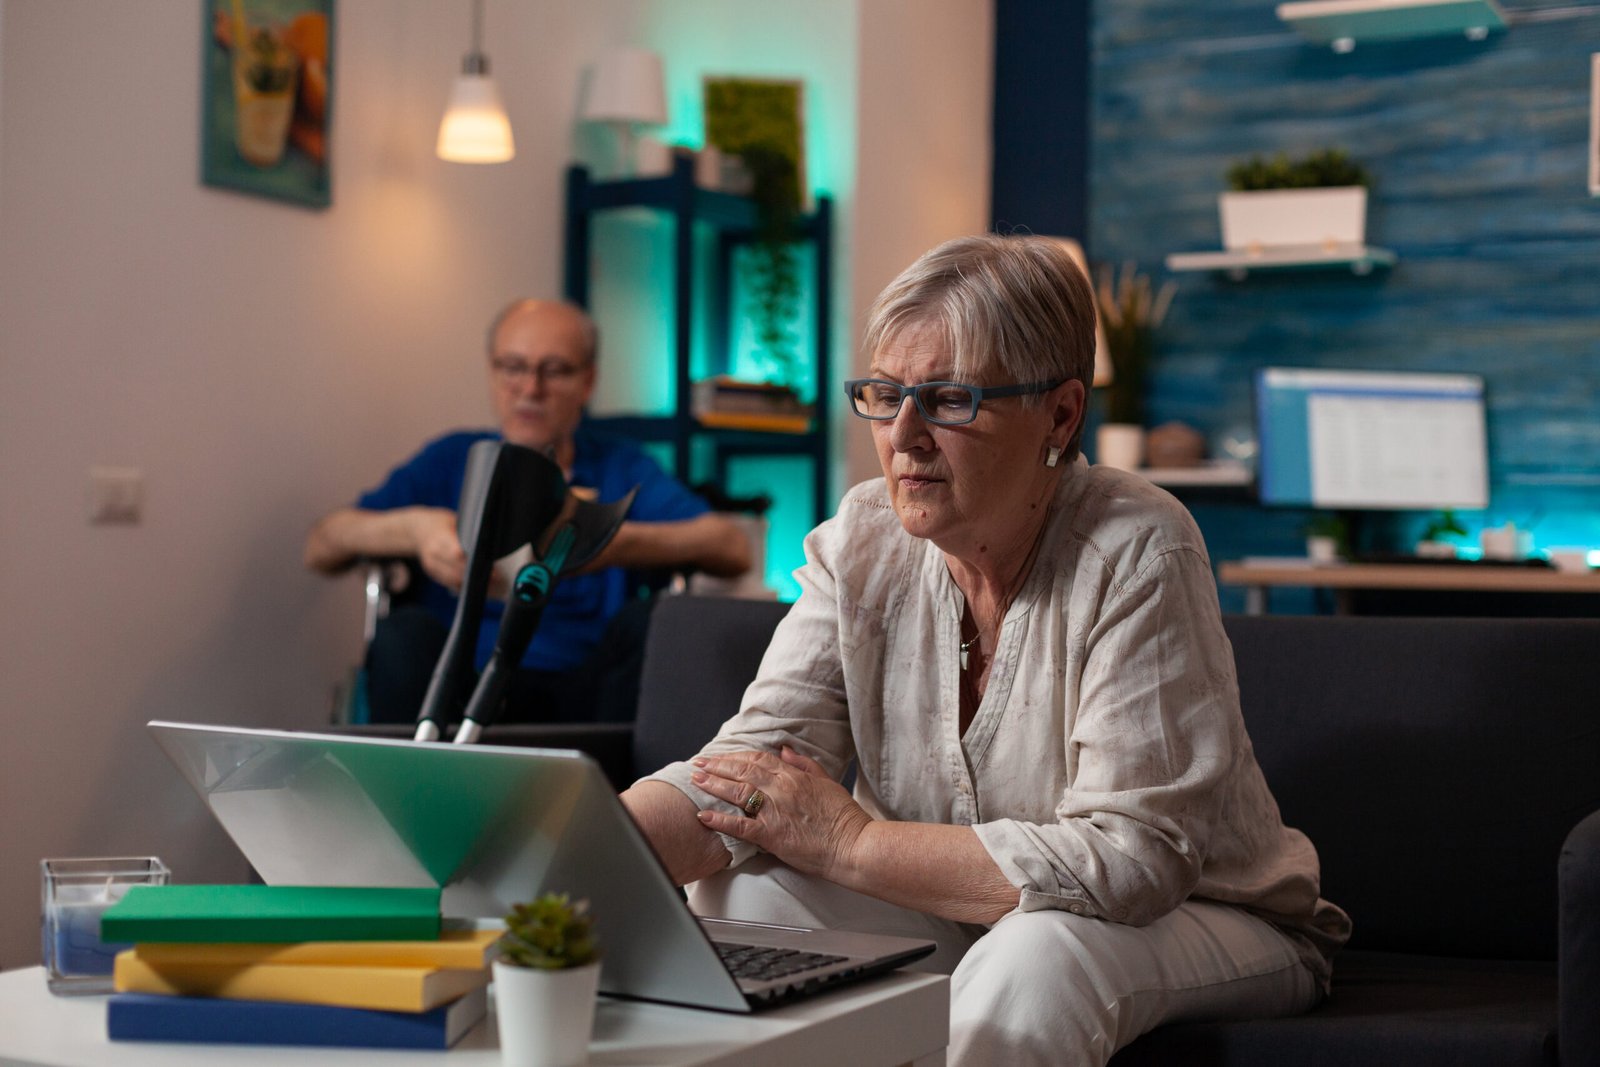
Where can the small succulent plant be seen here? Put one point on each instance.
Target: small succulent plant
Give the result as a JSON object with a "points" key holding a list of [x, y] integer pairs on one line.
{"points": [[550, 933]]}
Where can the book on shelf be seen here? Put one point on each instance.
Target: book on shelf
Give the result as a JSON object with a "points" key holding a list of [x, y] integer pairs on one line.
{"points": [[272, 913], [730, 402], [455, 949], [151, 1017], [386, 988], [765, 422]]}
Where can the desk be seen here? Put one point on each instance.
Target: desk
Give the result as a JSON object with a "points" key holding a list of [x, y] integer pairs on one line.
{"points": [[1259, 576], [897, 1019]]}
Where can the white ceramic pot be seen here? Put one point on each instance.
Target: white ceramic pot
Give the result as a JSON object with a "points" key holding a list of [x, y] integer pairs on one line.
{"points": [[1320, 548], [545, 1017], [1307, 217], [1119, 444]]}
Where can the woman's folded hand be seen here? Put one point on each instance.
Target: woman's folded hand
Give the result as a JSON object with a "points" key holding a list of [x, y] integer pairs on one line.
{"points": [[791, 808]]}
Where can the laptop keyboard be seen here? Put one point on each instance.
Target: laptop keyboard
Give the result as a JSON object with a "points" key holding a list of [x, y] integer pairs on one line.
{"points": [[762, 964]]}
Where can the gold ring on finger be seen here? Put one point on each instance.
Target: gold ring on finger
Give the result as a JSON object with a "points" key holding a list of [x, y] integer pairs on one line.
{"points": [[753, 802]]}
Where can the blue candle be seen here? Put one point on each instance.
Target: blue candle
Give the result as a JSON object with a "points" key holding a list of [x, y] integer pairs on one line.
{"points": [[79, 949], [76, 893]]}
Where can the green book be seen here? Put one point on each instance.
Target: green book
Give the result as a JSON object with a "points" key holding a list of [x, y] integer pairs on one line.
{"points": [[271, 913]]}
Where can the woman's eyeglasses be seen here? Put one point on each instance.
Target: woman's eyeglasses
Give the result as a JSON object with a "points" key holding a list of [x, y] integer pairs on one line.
{"points": [[941, 403]]}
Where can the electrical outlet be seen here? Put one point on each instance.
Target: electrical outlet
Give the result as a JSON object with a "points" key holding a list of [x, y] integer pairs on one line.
{"points": [[116, 495]]}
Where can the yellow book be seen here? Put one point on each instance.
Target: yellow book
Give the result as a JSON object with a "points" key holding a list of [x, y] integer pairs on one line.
{"points": [[456, 949], [743, 420], [414, 989]]}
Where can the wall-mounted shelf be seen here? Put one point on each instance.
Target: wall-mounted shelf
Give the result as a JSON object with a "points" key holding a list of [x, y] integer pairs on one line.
{"points": [[1212, 474], [1358, 259], [1341, 23]]}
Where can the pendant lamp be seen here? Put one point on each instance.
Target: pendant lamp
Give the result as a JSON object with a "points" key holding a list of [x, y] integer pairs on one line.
{"points": [[475, 128]]}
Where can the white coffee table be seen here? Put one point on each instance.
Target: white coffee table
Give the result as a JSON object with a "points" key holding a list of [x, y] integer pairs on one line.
{"points": [[901, 1018]]}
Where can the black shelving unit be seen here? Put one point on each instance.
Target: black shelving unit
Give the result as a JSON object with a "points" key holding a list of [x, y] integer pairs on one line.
{"points": [[733, 221]]}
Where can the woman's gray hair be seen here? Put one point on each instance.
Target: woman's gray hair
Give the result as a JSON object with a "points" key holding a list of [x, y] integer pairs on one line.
{"points": [[1012, 309]]}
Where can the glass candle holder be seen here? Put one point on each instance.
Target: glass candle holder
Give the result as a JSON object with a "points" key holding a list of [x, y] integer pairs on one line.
{"points": [[75, 892]]}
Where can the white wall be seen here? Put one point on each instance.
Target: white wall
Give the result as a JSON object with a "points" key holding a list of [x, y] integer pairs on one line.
{"points": [[923, 153], [261, 362]]}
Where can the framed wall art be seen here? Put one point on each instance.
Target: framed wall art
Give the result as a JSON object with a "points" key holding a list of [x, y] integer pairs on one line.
{"points": [[266, 98]]}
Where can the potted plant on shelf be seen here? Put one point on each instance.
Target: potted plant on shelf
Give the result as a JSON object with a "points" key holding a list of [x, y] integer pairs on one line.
{"points": [[757, 121], [1328, 537], [1130, 313], [1317, 201], [1435, 538], [546, 978]]}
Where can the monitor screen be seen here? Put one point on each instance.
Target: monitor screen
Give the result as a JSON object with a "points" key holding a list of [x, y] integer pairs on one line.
{"points": [[1371, 439]]}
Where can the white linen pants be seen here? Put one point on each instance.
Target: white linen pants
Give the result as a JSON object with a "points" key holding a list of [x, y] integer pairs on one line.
{"points": [[1049, 987]]}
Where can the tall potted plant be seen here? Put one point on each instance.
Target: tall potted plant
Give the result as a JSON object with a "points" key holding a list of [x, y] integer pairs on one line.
{"points": [[1319, 200], [1131, 311], [758, 121], [546, 978]]}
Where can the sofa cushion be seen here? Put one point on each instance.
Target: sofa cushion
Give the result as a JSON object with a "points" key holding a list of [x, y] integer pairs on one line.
{"points": [[1437, 765], [1385, 1008], [700, 655]]}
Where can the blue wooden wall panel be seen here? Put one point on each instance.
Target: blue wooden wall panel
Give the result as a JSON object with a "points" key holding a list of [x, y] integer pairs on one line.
{"points": [[1477, 152]]}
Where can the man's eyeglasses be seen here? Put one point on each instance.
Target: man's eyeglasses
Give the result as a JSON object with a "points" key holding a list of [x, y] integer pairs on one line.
{"points": [[941, 403], [516, 372]]}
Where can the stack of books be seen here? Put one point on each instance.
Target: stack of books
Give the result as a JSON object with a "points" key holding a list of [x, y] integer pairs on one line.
{"points": [[294, 965], [730, 403]]}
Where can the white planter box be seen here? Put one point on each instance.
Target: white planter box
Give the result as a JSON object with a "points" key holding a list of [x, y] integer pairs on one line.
{"points": [[1277, 217]]}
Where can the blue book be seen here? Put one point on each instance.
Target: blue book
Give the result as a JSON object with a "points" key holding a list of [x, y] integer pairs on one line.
{"points": [[152, 1017]]}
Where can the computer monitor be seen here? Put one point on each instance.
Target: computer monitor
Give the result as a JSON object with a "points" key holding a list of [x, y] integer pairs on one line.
{"points": [[1364, 440]]}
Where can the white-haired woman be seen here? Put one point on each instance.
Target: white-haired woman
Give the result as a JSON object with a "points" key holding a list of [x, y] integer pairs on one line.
{"points": [[1024, 656]]}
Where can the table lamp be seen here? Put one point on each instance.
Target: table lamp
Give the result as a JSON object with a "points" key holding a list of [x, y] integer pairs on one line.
{"points": [[625, 90], [1102, 351]]}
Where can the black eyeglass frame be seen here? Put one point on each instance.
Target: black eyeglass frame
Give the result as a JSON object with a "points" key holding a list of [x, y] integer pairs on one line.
{"points": [[979, 393], [517, 369]]}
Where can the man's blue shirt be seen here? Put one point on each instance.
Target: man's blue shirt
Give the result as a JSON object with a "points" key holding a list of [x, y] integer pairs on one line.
{"points": [[580, 606]]}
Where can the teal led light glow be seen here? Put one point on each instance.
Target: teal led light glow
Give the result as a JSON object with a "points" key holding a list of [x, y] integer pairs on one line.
{"points": [[787, 480]]}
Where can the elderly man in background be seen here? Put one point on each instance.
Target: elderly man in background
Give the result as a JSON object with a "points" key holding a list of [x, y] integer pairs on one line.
{"points": [[582, 662]]}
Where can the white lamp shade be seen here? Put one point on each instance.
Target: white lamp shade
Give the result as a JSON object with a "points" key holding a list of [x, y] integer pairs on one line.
{"points": [[475, 128], [626, 86], [1102, 351]]}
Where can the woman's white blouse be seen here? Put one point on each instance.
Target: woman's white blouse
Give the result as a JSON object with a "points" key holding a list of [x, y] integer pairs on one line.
{"points": [[1107, 770]]}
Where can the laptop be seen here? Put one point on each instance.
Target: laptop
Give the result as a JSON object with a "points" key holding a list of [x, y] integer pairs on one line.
{"points": [[494, 826]]}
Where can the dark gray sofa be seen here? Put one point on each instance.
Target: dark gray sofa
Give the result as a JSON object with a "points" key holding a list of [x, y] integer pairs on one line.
{"points": [[1448, 771]]}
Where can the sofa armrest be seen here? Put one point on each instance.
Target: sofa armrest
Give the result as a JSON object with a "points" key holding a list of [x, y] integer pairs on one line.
{"points": [[1579, 951]]}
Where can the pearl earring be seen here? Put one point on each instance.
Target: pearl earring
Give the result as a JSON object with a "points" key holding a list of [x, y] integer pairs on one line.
{"points": [[1052, 455]]}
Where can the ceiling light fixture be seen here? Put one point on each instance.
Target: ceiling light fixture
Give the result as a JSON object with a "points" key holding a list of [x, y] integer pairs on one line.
{"points": [[475, 128]]}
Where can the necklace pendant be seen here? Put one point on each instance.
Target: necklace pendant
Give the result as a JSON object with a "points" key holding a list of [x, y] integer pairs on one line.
{"points": [[964, 645]]}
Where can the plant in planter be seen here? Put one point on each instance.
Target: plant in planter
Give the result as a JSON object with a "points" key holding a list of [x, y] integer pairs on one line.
{"points": [[546, 978], [1318, 200], [1319, 170], [1328, 537], [1130, 313], [758, 121], [772, 268], [1435, 537]]}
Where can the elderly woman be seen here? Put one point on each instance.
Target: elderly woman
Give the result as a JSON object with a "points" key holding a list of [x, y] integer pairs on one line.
{"points": [[1024, 657]]}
